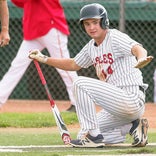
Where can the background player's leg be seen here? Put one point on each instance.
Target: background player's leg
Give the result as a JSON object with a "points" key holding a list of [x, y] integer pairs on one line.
{"points": [[56, 43], [17, 69]]}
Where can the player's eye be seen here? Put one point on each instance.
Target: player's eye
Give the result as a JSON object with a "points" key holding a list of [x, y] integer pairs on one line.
{"points": [[96, 22], [86, 24]]}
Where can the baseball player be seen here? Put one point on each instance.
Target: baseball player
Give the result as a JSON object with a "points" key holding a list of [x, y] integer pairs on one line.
{"points": [[44, 26], [120, 89], [4, 19]]}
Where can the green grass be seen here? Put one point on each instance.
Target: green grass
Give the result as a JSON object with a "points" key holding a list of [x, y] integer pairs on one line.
{"points": [[30, 120], [38, 137], [30, 132]]}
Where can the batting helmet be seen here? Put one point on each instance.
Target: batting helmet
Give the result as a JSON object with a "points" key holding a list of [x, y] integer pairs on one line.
{"points": [[96, 11]]}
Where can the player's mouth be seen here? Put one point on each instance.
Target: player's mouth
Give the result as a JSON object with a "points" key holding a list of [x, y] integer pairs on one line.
{"points": [[92, 33]]}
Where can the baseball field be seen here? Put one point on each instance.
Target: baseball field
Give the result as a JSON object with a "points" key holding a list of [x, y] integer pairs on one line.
{"points": [[28, 128]]}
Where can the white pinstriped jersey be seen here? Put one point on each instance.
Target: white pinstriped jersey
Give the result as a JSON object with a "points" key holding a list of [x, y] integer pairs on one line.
{"points": [[114, 54], [121, 98]]}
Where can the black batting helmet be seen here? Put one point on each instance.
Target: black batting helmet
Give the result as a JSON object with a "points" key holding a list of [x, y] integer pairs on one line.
{"points": [[96, 11]]}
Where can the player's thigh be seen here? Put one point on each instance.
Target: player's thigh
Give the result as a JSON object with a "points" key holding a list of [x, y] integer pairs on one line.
{"points": [[25, 48], [98, 89], [108, 96], [56, 44]]}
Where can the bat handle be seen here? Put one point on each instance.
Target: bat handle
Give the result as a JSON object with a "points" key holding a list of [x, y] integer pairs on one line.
{"points": [[40, 72]]}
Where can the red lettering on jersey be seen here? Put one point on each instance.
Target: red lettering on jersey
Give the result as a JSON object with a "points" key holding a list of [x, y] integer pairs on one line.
{"points": [[110, 70], [106, 59], [110, 58], [97, 60]]}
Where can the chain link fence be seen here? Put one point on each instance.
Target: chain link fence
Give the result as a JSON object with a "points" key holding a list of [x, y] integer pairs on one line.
{"points": [[140, 24]]}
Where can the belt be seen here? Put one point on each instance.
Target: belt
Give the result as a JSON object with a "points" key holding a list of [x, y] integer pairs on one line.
{"points": [[141, 89]]}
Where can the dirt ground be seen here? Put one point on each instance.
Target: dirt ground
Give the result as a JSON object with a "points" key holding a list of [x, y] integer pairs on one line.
{"points": [[27, 106]]}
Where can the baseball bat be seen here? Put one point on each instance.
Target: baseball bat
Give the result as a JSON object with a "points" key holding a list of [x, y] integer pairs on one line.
{"points": [[59, 121]]}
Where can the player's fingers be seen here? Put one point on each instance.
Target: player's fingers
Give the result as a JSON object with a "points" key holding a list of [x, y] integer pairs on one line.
{"points": [[32, 56], [142, 64], [144, 61], [149, 58], [35, 51], [4, 42], [102, 77]]}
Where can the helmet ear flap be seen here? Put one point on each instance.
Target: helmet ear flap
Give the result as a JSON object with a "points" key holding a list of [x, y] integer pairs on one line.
{"points": [[104, 22], [107, 23]]}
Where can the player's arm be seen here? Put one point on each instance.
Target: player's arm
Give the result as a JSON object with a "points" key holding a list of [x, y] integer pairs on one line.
{"points": [[4, 15], [65, 64], [141, 54], [61, 63], [139, 51], [4, 18]]}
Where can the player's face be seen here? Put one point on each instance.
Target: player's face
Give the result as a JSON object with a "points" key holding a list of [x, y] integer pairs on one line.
{"points": [[93, 28]]}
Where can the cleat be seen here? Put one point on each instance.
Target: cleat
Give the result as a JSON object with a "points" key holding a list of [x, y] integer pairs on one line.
{"points": [[139, 132], [89, 141]]}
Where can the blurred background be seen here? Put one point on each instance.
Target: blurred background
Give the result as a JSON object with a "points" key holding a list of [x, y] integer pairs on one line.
{"points": [[136, 18]]}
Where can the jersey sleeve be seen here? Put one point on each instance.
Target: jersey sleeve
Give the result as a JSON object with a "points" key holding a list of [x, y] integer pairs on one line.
{"points": [[124, 43], [19, 3], [83, 59]]}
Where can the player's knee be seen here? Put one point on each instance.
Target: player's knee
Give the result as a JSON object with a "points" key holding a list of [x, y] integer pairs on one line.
{"points": [[78, 81], [131, 114]]}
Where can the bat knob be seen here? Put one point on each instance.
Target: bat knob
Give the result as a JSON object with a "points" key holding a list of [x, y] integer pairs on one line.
{"points": [[66, 139]]}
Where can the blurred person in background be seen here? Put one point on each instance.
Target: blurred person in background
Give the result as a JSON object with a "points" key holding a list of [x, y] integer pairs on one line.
{"points": [[44, 26], [4, 19]]}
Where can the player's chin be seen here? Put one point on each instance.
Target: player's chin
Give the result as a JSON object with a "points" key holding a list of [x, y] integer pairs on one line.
{"points": [[93, 36]]}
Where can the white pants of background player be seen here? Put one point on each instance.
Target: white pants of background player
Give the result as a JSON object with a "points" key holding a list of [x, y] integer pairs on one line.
{"points": [[56, 44], [120, 108]]}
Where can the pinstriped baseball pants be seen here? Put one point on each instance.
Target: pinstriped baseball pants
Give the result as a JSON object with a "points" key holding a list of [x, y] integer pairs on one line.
{"points": [[120, 106]]}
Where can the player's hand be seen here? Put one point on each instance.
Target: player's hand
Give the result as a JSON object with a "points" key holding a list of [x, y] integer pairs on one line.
{"points": [[99, 72], [4, 38], [143, 62], [37, 55]]}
